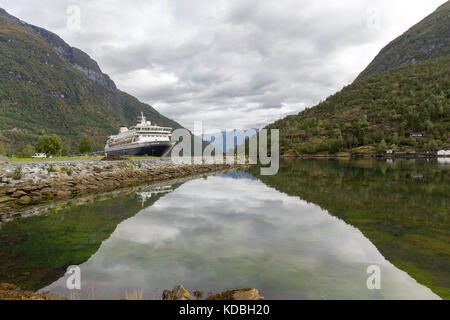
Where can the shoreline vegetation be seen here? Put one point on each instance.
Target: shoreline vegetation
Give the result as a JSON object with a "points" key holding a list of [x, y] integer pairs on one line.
{"points": [[398, 155], [27, 184]]}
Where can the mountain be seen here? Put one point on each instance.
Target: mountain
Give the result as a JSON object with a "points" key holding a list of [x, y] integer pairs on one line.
{"points": [[405, 108], [47, 86], [428, 39]]}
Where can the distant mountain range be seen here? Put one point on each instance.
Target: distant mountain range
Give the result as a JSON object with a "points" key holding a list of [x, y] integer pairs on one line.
{"points": [[231, 139], [400, 102], [47, 86]]}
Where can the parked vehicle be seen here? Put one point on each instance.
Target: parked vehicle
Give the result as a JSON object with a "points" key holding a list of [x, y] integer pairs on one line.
{"points": [[39, 156]]}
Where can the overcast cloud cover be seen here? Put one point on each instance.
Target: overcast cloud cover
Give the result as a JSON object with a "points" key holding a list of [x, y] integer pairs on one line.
{"points": [[232, 64]]}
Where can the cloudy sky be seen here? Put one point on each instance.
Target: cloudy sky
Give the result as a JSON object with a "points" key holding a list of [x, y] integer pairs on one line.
{"points": [[232, 64]]}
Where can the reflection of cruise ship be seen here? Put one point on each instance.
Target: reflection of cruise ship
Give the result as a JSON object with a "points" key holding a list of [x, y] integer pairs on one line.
{"points": [[144, 139], [146, 195]]}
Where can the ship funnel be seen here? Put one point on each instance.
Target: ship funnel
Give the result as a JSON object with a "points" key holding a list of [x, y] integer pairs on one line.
{"points": [[123, 129]]}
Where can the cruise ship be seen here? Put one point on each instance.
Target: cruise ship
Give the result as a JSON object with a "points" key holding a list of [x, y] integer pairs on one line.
{"points": [[144, 139]]}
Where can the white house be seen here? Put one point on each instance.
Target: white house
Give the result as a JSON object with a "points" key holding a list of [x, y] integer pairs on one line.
{"points": [[443, 153]]}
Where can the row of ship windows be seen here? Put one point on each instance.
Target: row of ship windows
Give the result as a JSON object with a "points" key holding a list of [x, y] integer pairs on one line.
{"points": [[129, 140], [154, 130]]}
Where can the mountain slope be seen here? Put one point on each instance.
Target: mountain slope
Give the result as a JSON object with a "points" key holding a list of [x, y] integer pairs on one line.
{"points": [[381, 111], [426, 40], [48, 86]]}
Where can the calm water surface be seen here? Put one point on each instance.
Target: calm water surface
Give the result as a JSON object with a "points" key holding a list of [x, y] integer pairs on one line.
{"points": [[308, 233]]}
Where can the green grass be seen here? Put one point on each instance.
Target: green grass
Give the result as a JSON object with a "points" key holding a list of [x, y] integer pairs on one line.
{"points": [[53, 159], [70, 158]]}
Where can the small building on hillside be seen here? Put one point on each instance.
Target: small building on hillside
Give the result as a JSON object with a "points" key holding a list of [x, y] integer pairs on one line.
{"points": [[443, 153]]}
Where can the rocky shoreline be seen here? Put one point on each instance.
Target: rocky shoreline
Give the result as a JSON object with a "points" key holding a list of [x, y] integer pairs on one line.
{"points": [[23, 185], [11, 292]]}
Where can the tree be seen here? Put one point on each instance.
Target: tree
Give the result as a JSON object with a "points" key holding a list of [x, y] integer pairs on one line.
{"points": [[433, 145], [2, 150], [382, 147], [65, 150], [26, 152], [85, 145], [50, 144]]}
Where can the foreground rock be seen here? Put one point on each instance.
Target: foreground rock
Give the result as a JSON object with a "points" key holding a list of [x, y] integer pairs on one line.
{"points": [[12, 292], [177, 293], [3, 159], [239, 294], [26, 184], [180, 293]]}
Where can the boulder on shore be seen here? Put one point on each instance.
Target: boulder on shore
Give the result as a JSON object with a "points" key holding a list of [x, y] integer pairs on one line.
{"points": [[239, 294], [180, 293], [177, 293]]}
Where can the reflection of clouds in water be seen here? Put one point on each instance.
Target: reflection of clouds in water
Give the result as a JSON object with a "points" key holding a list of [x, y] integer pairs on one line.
{"points": [[139, 232], [222, 233]]}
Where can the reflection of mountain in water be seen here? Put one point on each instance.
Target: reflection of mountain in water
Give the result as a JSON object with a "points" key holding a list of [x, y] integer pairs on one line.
{"points": [[36, 251], [407, 219], [237, 175]]}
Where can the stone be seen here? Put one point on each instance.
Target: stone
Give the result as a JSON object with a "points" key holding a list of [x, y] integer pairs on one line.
{"points": [[177, 293], [240, 294], [10, 190], [18, 194], [3, 159], [5, 199], [25, 200], [63, 194]]}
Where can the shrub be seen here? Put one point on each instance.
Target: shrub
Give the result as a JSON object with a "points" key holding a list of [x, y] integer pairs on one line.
{"points": [[382, 147], [26, 152], [85, 145], [50, 144], [97, 169], [17, 173]]}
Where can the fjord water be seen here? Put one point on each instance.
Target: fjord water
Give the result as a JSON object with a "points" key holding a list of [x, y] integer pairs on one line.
{"points": [[310, 232]]}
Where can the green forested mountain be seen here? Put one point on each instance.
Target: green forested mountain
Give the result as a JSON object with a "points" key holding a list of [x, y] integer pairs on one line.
{"points": [[428, 39], [46, 86], [381, 109]]}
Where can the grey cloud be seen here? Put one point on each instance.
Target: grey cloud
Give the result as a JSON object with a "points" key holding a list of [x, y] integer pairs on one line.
{"points": [[228, 63]]}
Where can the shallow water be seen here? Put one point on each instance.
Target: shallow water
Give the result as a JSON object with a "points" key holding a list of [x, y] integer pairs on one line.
{"points": [[310, 232]]}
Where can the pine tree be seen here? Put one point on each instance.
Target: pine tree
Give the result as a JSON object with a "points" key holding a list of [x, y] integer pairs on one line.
{"points": [[85, 145]]}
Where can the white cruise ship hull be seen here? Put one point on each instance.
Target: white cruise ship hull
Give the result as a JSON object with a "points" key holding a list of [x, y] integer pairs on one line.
{"points": [[154, 148]]}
